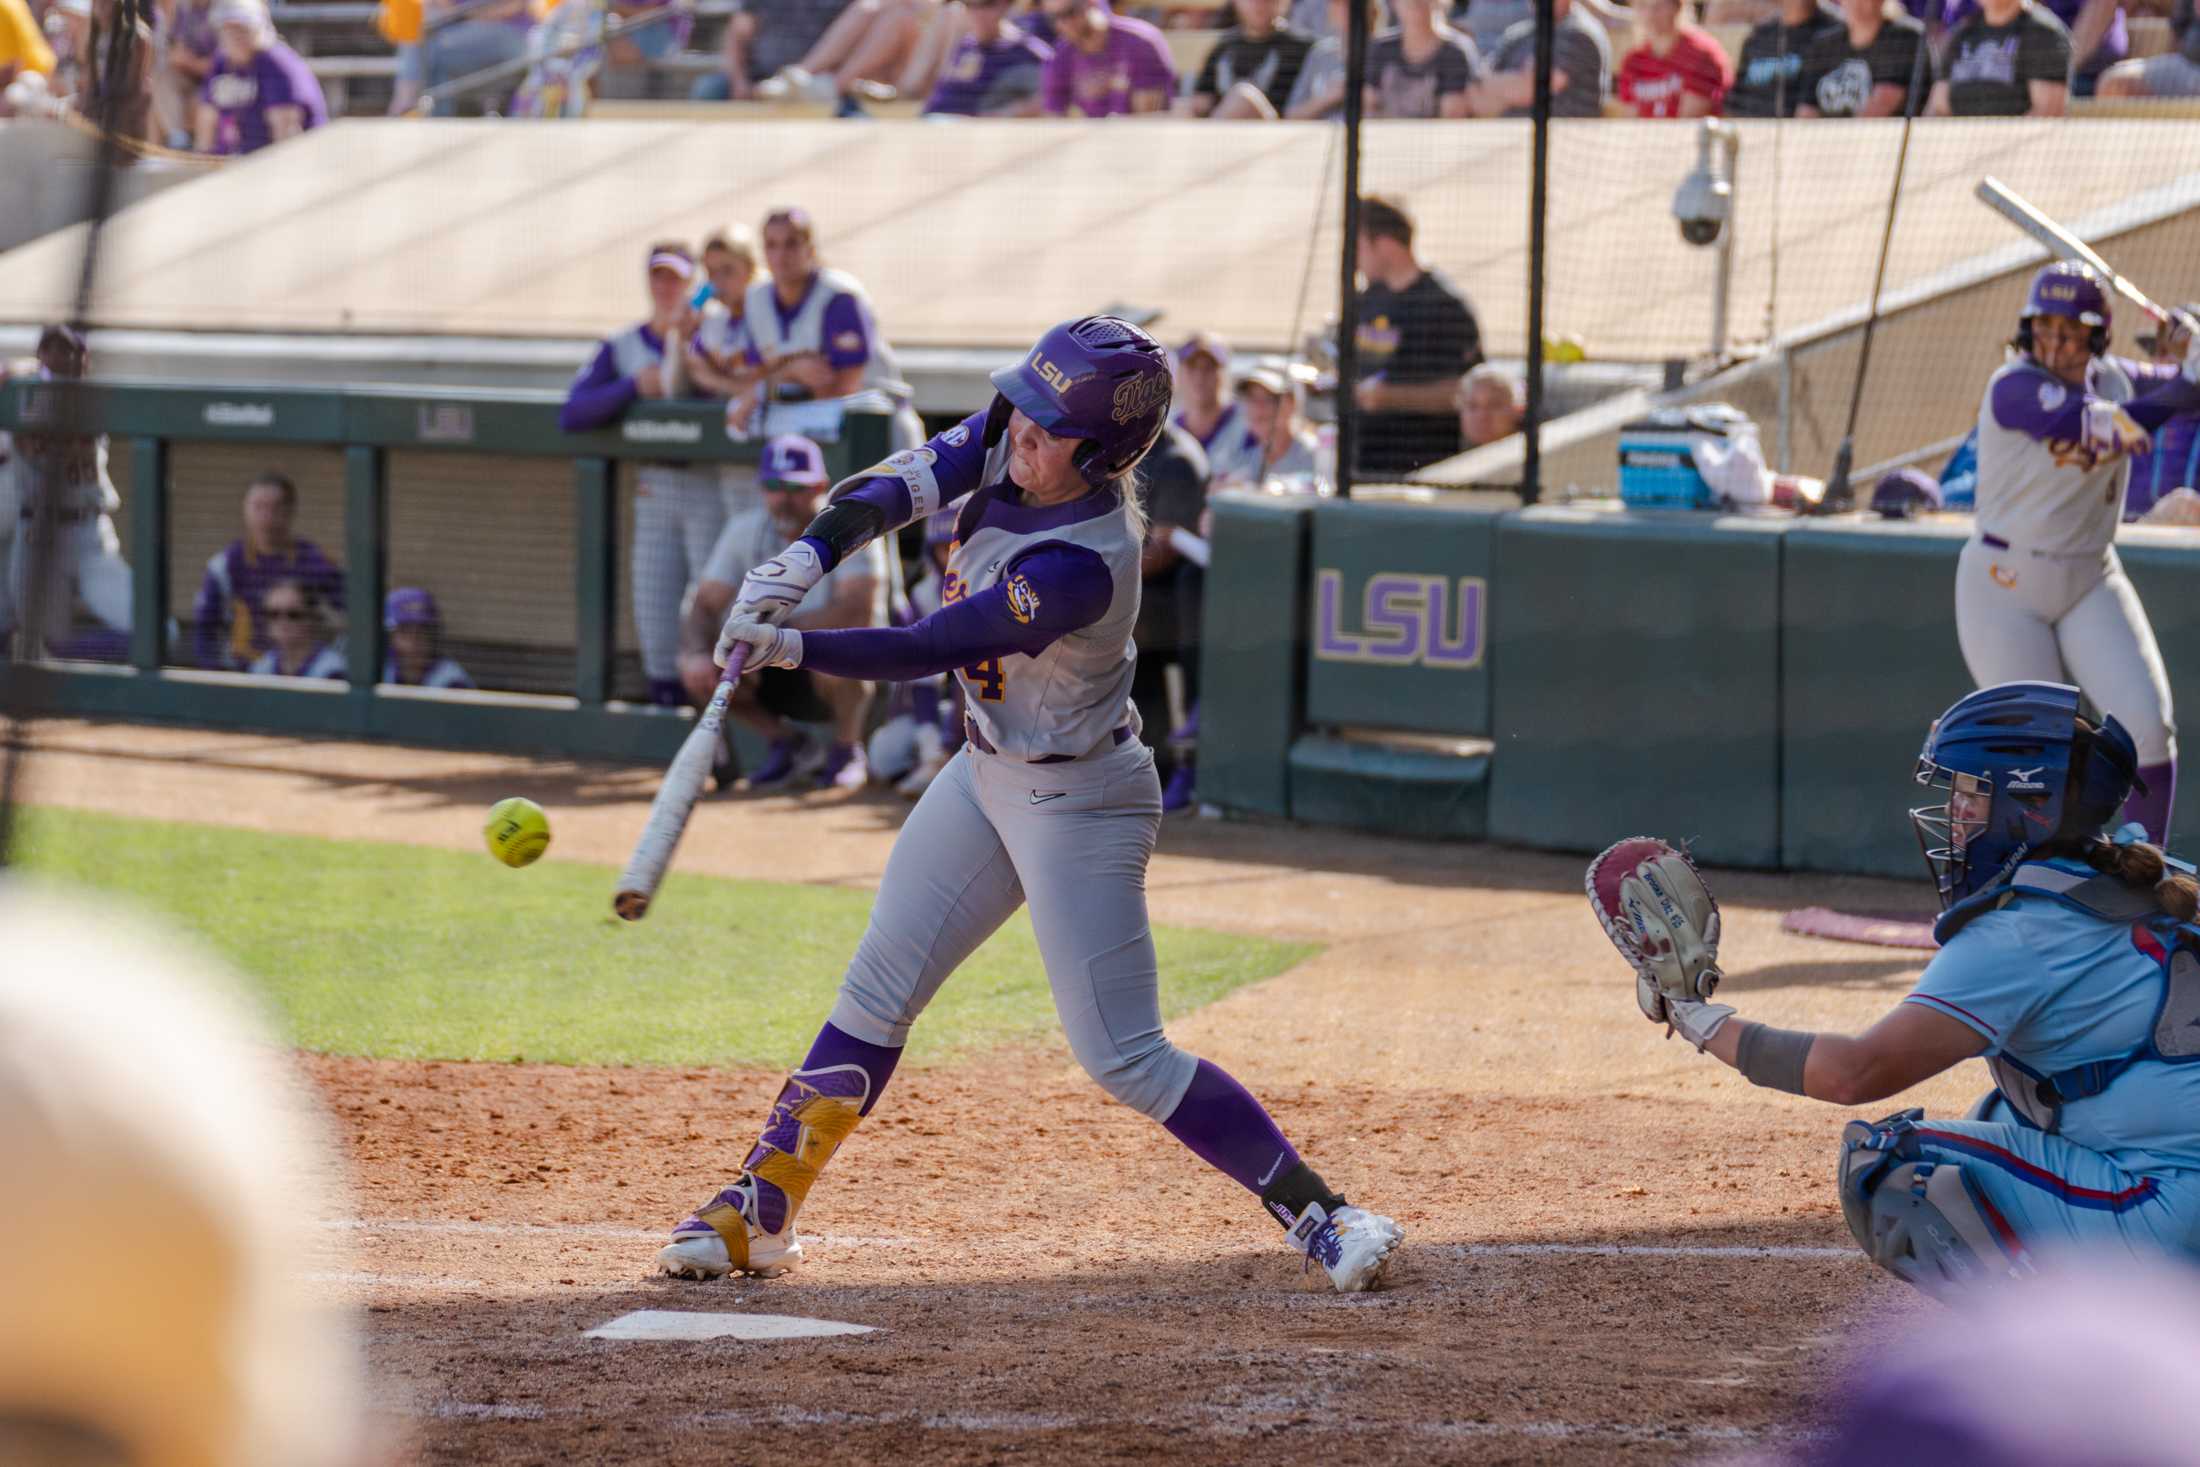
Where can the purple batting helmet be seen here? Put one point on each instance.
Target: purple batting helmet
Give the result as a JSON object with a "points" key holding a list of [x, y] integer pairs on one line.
{"points": [[2066, 288], [1098, 378]]}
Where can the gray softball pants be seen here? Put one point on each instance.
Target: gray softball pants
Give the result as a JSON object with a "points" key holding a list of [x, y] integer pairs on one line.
{"points": [[1073, 840], [678, 512]]}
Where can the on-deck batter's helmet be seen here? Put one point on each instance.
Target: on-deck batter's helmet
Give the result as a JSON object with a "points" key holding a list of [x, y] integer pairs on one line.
{"points": [[2034, 767], [1098, 378], [2070, 289]]}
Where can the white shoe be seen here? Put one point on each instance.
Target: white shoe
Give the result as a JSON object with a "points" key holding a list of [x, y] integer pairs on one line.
{"points": [[698, 1248], [1352, 1245]]}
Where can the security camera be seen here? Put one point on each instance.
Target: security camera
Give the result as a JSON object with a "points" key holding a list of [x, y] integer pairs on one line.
{"points": [[1705, 200], [1701, 205]]}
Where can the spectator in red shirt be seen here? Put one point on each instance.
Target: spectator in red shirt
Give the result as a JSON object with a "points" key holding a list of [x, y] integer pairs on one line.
{"points": [[1679, 69]]}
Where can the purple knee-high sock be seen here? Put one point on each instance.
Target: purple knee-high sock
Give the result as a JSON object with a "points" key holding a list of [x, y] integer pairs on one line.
{"points": [[2152, 809], [833, 1047], [823, 1072], [1225, 1127]]}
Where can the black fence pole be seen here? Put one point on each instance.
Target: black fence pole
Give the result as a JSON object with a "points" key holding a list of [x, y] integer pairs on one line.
{"points": [[1539, 177], [1348, 258]]}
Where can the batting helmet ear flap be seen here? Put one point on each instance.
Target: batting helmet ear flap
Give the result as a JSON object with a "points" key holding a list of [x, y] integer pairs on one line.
{"points": [[996, 420]]}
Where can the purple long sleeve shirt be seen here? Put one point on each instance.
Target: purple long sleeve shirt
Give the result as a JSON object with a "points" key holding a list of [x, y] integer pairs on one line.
{"points": [[605, 387], [231, 625], [2020, 405], [1073, 584]]}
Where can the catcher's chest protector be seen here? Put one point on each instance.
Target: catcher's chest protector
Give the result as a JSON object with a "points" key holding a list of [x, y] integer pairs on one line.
{"points": [[2174, 1037]]}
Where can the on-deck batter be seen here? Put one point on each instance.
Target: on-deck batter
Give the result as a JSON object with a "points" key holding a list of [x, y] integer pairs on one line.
{"points": [[63, 480], [1053, 802], [2040, 593]]}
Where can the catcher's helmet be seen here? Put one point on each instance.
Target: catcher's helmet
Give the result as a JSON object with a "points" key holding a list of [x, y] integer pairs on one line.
{"points": [[2066, 288], [1098, 378], [2032, 767]]}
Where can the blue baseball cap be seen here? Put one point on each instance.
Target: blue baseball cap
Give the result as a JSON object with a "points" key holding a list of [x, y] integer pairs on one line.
{"points": [[793, 459], [409, 606]]}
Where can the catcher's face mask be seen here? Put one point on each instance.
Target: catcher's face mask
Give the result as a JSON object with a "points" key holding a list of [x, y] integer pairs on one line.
{"points": [[1949, 833]]}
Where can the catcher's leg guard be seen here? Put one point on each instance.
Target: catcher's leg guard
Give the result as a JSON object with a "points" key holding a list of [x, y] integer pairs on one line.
{"points": [[1923, 1221]]}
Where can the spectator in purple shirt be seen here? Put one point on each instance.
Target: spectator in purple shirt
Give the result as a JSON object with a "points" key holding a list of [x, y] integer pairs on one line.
{"points": [[994, 70], [1104, 64], [259, 91], [230, 613]]}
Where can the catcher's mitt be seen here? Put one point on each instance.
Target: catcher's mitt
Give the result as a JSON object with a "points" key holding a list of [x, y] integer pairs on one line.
{"points": [[1662, 918]]}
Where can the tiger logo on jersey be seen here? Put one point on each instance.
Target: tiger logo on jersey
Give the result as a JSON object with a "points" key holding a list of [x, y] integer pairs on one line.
{"points": [[1023, 602]]}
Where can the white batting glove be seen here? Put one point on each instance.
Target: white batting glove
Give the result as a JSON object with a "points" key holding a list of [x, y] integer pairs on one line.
{"points": [[2110, 431], [778, 585], [2189, 324], [762, 644], [1696, 1021]]}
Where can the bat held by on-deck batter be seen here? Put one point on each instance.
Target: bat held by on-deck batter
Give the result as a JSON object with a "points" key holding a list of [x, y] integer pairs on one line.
{"points": [[2060, 242]]}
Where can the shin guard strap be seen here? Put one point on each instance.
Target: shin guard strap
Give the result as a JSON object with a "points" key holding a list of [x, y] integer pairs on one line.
{"points": [[1289, 1195]]}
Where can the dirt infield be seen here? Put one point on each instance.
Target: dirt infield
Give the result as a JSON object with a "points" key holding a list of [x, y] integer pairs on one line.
{"points": [[1590, 1211]]}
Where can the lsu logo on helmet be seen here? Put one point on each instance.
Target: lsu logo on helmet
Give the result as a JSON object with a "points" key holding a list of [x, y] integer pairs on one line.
{"points": [[1023, 602], [1139, 395]]}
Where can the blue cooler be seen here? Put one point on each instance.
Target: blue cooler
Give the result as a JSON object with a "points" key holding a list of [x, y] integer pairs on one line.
{"points": [[1656, 468]]}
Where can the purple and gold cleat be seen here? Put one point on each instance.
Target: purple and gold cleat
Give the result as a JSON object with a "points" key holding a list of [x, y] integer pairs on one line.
{"points": [[722, 1237], [792, 760]]}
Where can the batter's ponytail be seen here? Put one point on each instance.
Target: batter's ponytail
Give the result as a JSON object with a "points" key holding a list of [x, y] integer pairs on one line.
{"points": [[2141, 865], [1130, 487]]}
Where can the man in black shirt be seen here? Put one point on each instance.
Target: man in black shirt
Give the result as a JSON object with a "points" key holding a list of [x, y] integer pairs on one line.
{"points": [[1173, 488], [1865, 68], [1769, 80], [1416, 336], [1252, 68], [2012, 59]]}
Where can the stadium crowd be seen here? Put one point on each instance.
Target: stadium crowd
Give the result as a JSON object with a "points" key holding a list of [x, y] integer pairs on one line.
{"points": [[214, 76]]}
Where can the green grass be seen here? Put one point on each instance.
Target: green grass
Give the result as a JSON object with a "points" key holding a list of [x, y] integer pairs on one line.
{"points": [[367, 948]]}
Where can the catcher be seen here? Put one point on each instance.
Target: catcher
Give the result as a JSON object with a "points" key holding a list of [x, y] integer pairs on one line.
{"points": [[2069, 959]]}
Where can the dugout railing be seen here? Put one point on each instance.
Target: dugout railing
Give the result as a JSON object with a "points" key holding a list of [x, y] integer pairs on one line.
{"points": [[493, 491]]}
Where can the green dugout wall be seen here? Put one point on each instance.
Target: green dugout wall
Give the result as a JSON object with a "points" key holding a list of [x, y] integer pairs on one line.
{"points": [[1757, 686], [479, 495]]}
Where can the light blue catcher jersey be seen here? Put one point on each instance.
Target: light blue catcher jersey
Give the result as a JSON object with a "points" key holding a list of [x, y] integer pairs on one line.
{"points": [[2057, 988]]}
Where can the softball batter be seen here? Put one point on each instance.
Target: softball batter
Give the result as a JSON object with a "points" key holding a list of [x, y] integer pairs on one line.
{"points": [[1053, 801], [2040, 593]]}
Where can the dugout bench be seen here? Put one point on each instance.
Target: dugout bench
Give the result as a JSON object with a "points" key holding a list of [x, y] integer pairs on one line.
{"points": [[519, 529]]}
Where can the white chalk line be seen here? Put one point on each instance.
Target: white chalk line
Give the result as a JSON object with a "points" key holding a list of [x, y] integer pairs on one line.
{"points": [[580, 1230], [1650, 1250], [1223, 1420], [851, 1240]]}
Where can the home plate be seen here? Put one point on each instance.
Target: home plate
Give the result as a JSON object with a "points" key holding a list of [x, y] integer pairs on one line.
{"points": [[681, 1324]]}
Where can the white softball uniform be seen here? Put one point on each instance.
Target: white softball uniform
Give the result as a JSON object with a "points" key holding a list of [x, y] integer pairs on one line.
{"points": [[87, 554], [2040, 593]]}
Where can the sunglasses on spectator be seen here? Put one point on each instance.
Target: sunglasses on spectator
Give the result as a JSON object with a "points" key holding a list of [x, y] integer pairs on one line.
{"points": [[288, 613]]}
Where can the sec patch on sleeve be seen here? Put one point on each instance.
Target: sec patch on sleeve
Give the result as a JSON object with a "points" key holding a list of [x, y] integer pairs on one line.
{"points": [[1023, 602]]}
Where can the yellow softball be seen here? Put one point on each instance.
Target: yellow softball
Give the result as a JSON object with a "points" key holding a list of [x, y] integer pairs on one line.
{"points": [[518, 832]]}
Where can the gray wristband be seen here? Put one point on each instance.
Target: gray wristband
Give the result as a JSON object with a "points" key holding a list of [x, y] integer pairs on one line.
{"points": [[1773, 1057]]}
